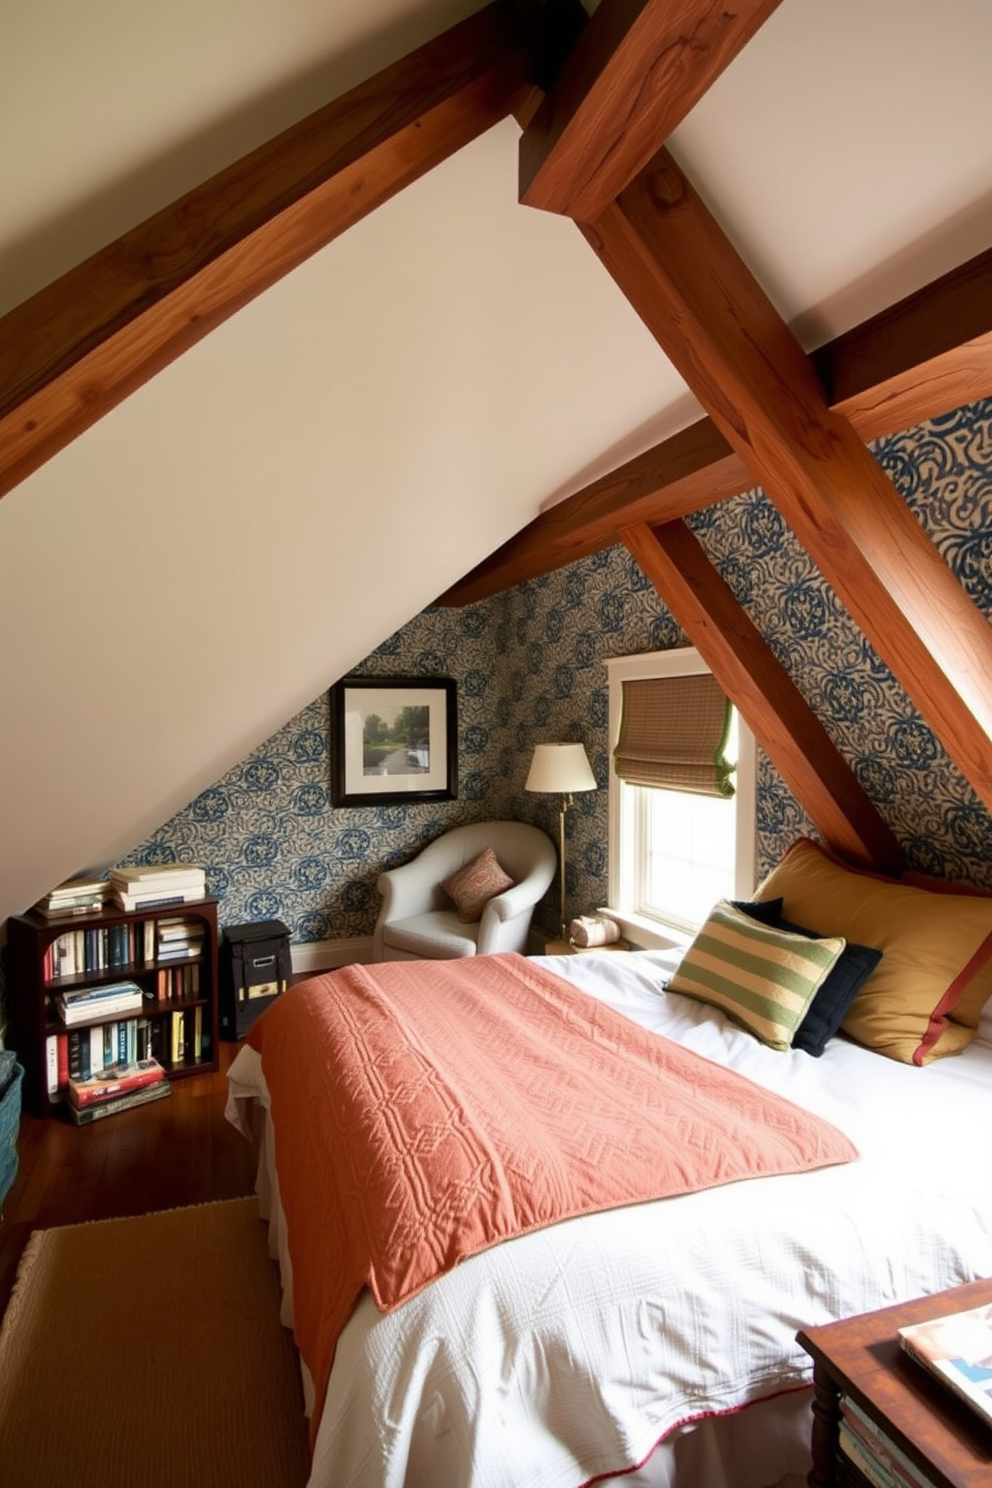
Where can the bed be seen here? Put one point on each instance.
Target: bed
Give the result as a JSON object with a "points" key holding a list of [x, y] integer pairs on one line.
{"points": [[656, 1340]]}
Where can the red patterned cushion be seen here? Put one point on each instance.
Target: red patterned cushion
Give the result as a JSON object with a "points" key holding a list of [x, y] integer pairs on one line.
{"points": [[473, 886]]}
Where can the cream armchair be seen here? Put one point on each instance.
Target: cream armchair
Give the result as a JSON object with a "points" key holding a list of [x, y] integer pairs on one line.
{"points": [[417, 920]]}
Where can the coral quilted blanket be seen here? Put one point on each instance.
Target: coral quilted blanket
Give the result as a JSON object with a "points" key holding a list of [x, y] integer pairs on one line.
{"points": [[424, 1111]]}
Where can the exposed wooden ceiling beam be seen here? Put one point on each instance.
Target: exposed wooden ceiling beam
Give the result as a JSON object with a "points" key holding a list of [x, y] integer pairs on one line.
{"points": [[75, 349], [926, 354], [635, 72], [672, 261], [692, 469], [920, 358], [763, 692]]}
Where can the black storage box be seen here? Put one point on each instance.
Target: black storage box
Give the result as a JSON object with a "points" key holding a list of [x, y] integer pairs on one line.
{"points": [[255, 968]]}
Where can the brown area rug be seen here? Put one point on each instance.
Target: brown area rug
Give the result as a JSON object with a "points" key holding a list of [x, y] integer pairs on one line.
{"points": [[148, 1352]]}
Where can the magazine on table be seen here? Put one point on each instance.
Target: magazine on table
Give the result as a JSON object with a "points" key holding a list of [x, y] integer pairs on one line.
{"points": [[957, 1348]]}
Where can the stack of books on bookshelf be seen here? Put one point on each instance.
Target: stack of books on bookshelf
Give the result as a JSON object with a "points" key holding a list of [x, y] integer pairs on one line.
{"points": [[117, 1088], [77, 896], [84, 1004], [878, 1459], [157, 884], [177, 939]]}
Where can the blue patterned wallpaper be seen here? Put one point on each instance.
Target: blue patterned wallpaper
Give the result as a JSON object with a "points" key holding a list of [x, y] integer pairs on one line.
{"points": [[529, 667]]}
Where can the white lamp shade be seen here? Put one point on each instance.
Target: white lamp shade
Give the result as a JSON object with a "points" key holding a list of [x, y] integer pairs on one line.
{"points": [[560, 768]]}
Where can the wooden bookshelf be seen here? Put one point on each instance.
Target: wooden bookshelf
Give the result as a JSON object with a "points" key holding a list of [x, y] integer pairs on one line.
{"points": [[189, 983]]}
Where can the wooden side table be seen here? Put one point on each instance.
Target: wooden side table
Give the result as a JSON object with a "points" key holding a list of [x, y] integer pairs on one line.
{"points": [[566, 948], [861, 1358]]}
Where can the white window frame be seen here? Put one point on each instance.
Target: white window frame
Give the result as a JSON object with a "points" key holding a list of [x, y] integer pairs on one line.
{"points": [[684, 661]]}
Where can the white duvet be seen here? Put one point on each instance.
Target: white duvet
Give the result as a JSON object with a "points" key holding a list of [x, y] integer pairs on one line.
{"points": [[572, 1352]]}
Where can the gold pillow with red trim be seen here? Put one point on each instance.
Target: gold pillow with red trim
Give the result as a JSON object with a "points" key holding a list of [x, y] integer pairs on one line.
{"points": [[925, 997]]}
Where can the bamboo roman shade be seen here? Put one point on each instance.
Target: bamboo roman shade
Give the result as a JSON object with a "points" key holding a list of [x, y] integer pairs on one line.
{"points": [[673, 734]]}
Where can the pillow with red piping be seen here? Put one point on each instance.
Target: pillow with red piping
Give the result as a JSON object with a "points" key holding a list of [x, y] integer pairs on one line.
{"points": [[925, 997]]}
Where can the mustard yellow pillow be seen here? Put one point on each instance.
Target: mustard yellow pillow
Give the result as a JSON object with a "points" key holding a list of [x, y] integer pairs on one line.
{"points": [[925, 996]]}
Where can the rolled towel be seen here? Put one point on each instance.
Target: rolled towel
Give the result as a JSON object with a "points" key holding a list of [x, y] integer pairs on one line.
{"points": [[593, 930]]}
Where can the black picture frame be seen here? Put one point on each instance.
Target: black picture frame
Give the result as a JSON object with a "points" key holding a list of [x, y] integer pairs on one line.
{"points": [[366, 767]]}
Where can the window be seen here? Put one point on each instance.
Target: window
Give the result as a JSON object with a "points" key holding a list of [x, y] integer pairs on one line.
{"points": [[674, 852]]}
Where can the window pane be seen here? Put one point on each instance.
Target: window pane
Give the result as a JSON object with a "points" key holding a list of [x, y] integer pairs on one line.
{"points": [[688, 854], [673, 854]]}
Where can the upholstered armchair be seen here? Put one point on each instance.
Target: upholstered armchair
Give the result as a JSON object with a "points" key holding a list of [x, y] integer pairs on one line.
{"points": [[418, 919]]}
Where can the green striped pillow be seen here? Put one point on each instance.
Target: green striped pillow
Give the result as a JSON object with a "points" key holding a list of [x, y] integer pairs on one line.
{"points": [[762, 977]]}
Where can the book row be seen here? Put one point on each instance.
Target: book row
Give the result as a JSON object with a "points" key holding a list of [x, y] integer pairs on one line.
{"points": [[174, 1039], [179, 983], [80, 1052], [89, 950], [874, 1454]]}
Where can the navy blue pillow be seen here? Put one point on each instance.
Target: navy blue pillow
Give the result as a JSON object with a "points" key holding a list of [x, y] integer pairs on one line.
{"points": [[765, 911], [840, 987]]}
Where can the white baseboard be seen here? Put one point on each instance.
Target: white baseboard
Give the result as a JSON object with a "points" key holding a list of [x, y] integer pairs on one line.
{"points": [[325, 955]]}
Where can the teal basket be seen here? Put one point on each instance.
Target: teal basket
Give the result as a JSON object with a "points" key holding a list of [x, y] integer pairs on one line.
{"points": [[11, 1075]]}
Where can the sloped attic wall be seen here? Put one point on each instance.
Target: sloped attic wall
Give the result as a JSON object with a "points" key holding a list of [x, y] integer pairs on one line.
{"points": [[192, 570], [529, 666]]}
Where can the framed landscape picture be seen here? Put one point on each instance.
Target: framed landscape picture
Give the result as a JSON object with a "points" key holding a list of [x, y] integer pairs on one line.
{"points": [[393, 739]]}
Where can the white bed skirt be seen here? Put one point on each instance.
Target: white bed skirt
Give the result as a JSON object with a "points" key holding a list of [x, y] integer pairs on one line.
{"points": [[746, 1449]]}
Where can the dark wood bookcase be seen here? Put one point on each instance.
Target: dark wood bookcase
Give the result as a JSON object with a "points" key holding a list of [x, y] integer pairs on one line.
{"points": [[32, 993]]}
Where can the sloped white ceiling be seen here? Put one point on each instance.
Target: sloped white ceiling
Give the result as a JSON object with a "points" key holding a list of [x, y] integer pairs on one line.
{"points": [[111, 109], [847, 151], [243, 530], [239, 533]]}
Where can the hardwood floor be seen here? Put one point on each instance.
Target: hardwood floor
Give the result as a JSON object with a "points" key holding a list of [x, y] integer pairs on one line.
{"points": [[160, 1156]]}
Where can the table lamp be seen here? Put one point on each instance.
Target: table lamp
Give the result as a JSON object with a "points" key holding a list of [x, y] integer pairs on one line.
{"points": [[560, 769]]}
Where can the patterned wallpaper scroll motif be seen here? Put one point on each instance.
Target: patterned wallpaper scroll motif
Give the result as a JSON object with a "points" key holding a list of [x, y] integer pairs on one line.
{"points": [[944, 472], [275, 848], [529, 667]]}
